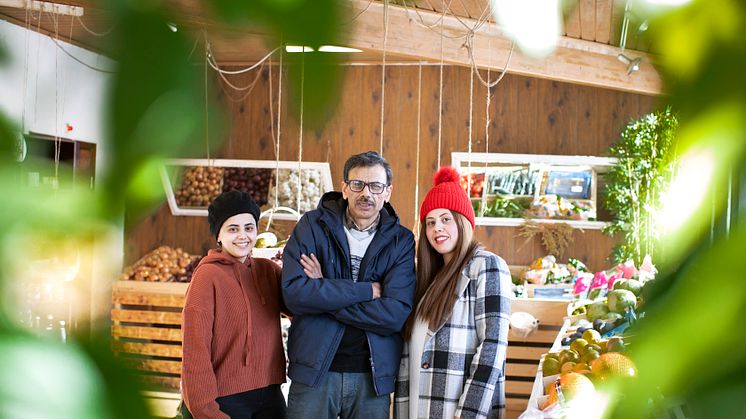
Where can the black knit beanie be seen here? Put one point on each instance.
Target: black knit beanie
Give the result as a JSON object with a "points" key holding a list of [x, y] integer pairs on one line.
{"points": [[228, 204]]}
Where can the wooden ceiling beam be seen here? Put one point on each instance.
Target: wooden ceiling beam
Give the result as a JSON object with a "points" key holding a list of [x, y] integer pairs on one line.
{"points": [[574, 61]]}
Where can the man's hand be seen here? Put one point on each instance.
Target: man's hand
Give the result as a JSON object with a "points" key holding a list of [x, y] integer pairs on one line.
{"points": [[376, 290], [311, 266]]}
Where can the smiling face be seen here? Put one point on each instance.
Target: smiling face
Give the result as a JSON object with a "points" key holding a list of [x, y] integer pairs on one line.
{"points": [[238, 235], [364, 205], [442, 232]]}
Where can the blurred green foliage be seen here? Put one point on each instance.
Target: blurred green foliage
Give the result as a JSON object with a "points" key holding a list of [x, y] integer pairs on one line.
{"points": [[690, 346], [156, 109], [635, 184]]}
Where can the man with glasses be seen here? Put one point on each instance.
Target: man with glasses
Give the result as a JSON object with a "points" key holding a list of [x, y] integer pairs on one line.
{"points": [[348, 277]]}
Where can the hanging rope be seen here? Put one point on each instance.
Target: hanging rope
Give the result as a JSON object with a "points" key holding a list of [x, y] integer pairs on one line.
{"points": [[383, 66], [207, 115], [38, 49], [57, 140], [91, 31], [486, 127], [25, 69], [470, 50], [416, 211], [471, 122], [279, 117], [440, 94], [272, 110], [214, 64], [300, 135]]}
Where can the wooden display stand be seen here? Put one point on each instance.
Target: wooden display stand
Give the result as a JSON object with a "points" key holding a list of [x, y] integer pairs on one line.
{"points": [[524, 353], [146, 329]]}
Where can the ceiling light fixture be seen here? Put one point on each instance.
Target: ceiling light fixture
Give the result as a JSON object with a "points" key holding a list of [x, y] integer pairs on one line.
{"points": [[44, 6], [334, 48], [632, 64], [323, 48]]}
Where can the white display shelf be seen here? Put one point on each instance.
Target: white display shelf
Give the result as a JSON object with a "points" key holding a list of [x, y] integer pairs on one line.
{"points": [[322, 168], [476, 163], [516, 222]]}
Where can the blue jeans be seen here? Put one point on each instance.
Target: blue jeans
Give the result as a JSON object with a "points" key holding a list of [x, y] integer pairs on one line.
{"points": [[347, 395]]}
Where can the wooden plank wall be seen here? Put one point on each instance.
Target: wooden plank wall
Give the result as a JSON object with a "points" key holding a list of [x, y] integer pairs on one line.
{"points": [[527, 115]]}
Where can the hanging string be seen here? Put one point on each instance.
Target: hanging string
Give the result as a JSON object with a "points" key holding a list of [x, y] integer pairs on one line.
{"points": [[277, 142], [440, 94], [25, 69], [470, 50], [64, 75], [214, 64], [207, 115], [57, 140], [38, 49], [486, 126], [416, 211], [272, 110], [91, 31], [383, 66], [248, 89], [300, 135], [471, 122]]}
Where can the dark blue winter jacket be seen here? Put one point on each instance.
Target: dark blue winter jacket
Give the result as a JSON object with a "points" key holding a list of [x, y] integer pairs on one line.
{"points": [[322, 307]]}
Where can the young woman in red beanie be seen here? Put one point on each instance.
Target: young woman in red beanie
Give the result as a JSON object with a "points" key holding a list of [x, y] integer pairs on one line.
{"points": [[233, 359], [453, 365]]}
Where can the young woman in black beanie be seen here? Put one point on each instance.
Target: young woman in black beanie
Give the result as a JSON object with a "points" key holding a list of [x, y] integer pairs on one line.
{"points": [[233, 359]]}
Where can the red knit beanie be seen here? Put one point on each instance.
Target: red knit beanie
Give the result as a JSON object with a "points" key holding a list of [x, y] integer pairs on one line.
{"points": [[447, 193]]}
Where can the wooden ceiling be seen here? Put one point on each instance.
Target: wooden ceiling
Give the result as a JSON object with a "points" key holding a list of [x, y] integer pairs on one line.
{"points": [[586, 54]]}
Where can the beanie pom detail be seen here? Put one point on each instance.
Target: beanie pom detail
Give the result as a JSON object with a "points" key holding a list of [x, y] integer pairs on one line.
{"points": [[445, 174]]}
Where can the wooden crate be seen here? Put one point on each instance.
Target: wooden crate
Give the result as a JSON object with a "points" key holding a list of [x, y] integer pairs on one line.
{"points": [[146, 329], [524, 354]]}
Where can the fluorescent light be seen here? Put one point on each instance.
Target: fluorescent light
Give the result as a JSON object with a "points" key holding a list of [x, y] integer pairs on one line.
{"points": [[297, 48], [334, 48], [323, 48]]}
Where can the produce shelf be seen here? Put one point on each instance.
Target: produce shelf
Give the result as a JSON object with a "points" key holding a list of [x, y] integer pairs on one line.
{"points": [[287, 199]]}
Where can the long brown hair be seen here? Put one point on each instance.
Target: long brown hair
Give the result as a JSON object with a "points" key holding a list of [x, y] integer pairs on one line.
{"points": [[435, 293]]}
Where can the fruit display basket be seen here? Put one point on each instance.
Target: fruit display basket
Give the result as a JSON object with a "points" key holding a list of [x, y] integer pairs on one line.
{"points": [[268, 182], [506, 188]]}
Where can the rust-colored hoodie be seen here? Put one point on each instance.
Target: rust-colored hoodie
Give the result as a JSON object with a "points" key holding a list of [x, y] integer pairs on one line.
{"points": [[232, 340]]}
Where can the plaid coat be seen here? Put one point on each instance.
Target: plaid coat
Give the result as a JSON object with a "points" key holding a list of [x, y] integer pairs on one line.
{"points": [[462, 369]]}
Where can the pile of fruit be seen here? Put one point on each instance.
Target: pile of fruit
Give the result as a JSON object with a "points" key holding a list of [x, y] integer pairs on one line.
{"points": [[287, 189], [587, 362], [200, 186], [255, 182], [164, 264], [473, 184]]}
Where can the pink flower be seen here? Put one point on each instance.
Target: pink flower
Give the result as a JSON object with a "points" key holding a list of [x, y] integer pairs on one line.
{"points": [[616, 275], [599, 280], [582, 283], [647, 265], [627, 269]]}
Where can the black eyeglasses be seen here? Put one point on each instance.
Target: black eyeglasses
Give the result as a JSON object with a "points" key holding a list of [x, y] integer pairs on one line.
{"points": [[358, 186]]}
